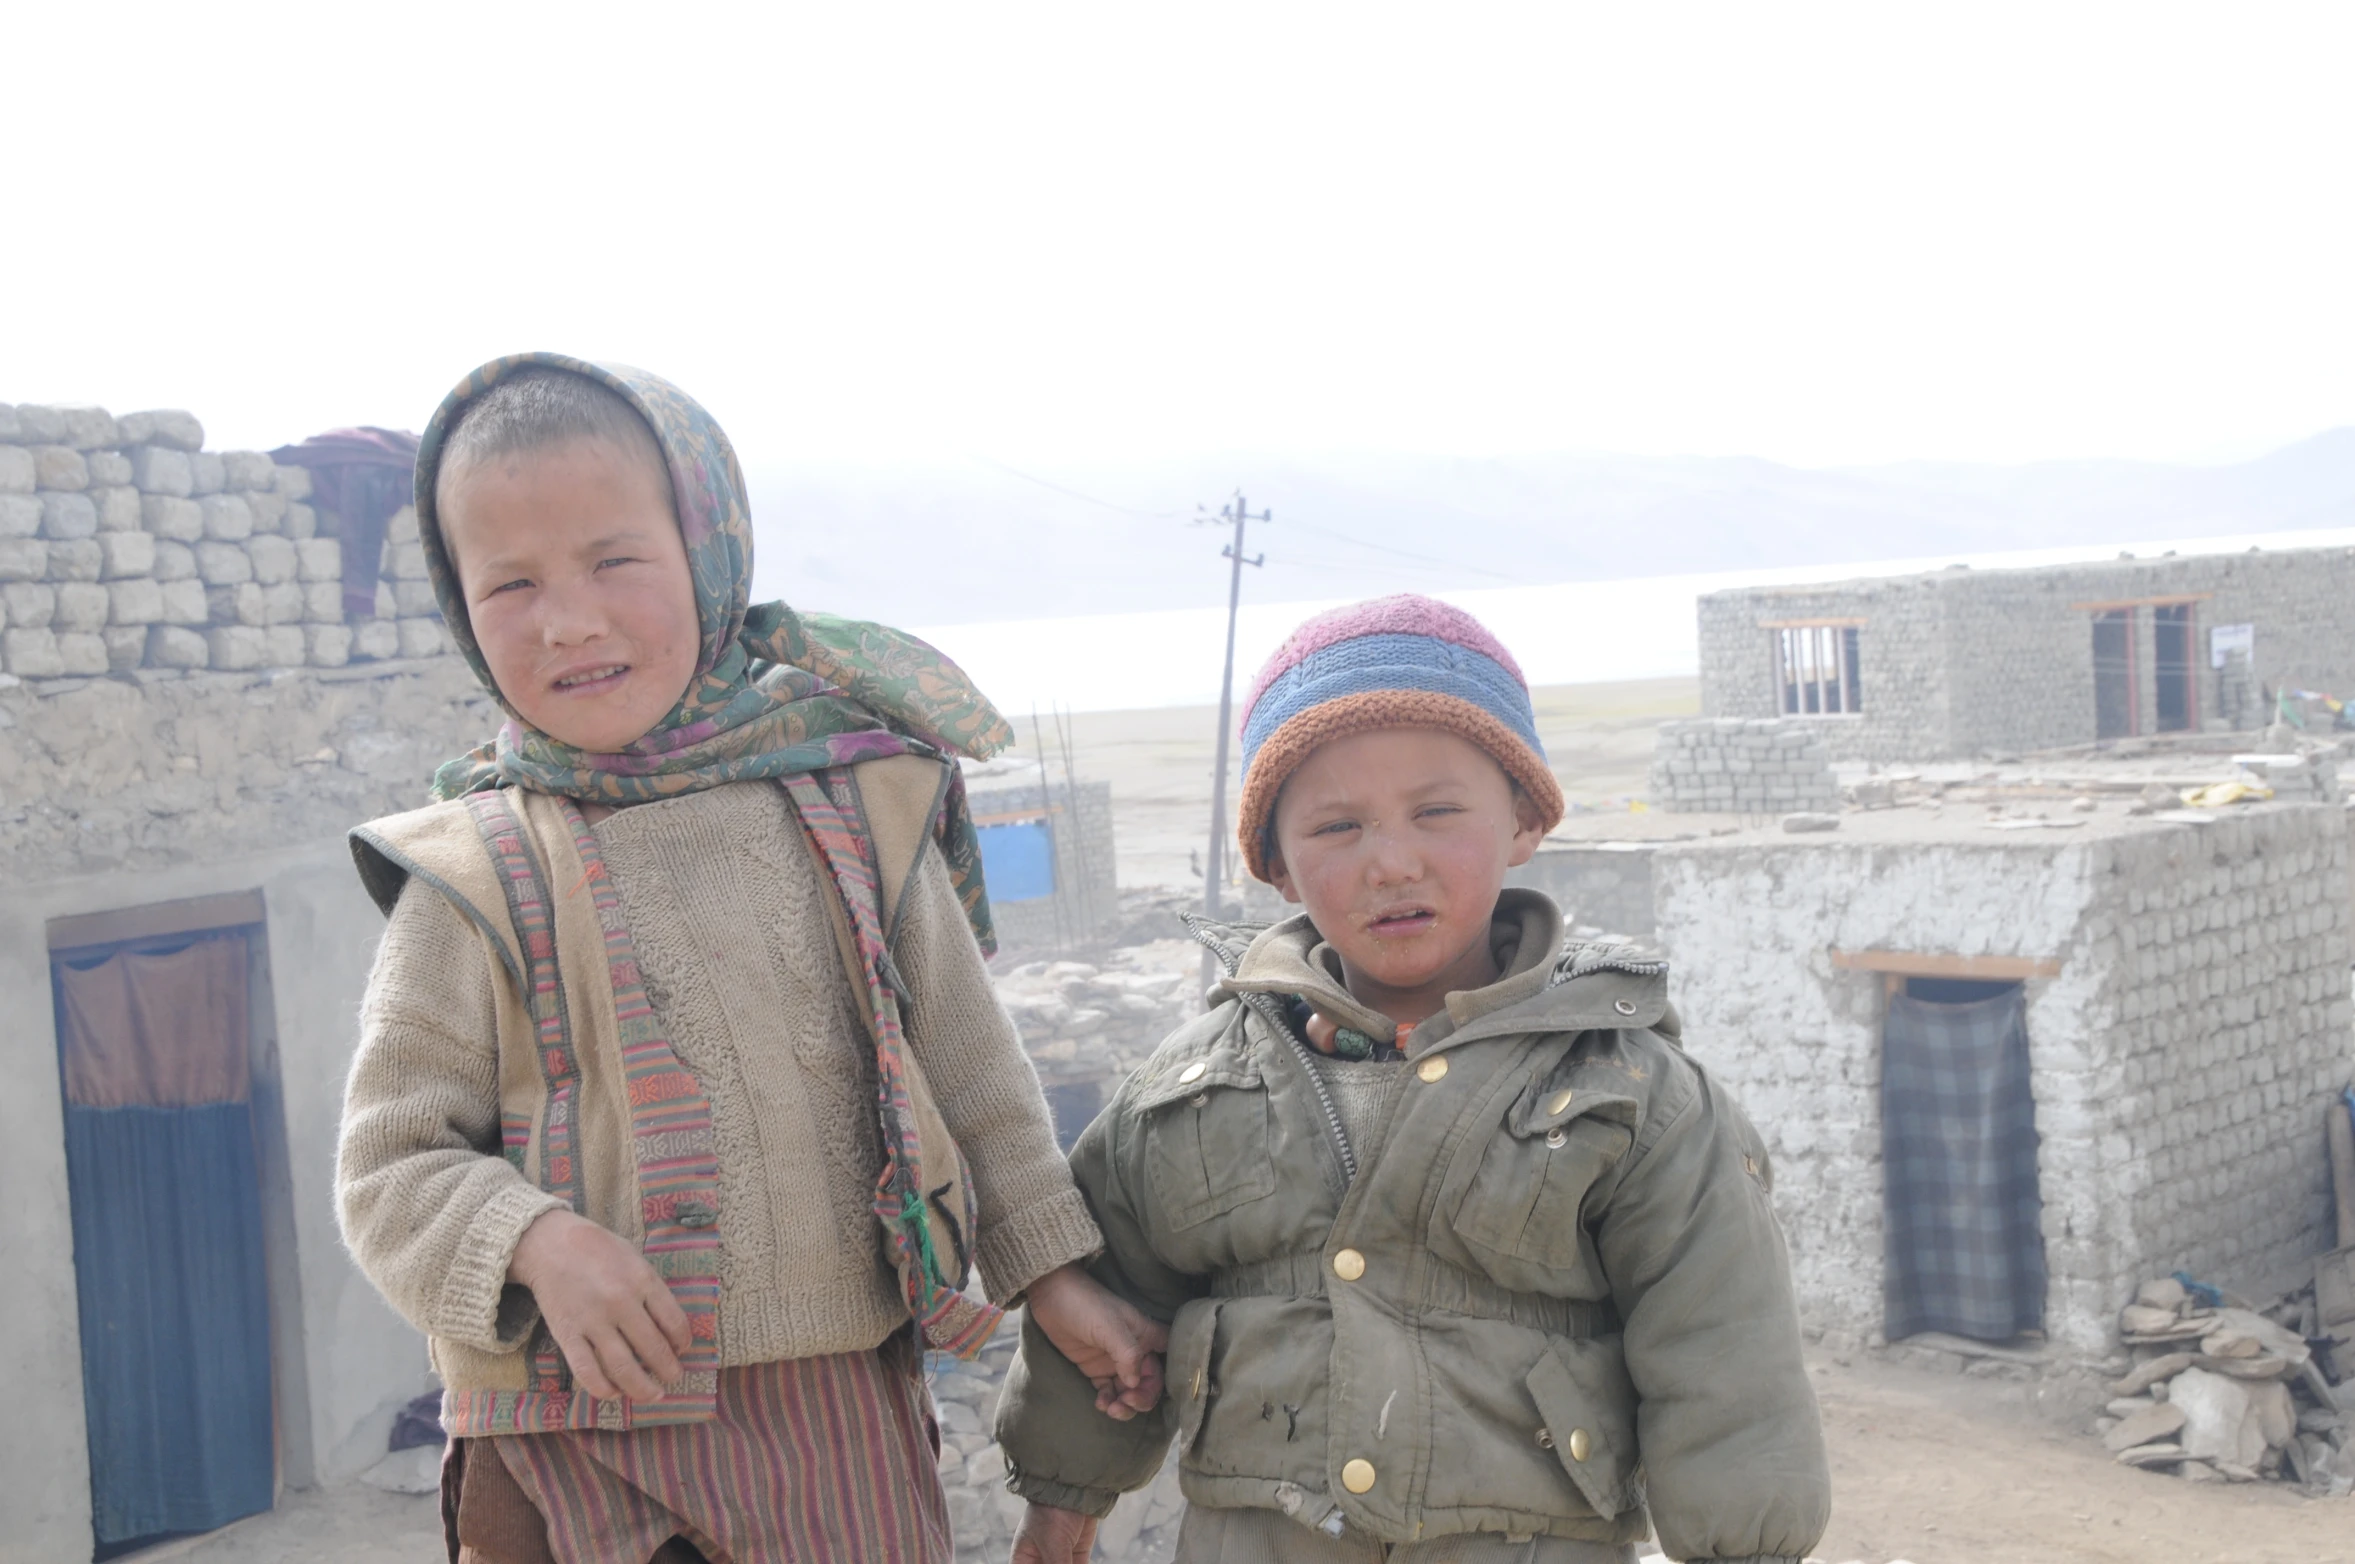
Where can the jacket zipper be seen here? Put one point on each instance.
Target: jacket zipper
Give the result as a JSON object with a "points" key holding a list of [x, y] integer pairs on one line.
{"points": [[1268, 1010]]}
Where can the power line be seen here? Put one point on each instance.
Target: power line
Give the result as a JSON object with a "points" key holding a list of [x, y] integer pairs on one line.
{"points": [[1167, 515], [1126, 510], [1384, 548]]}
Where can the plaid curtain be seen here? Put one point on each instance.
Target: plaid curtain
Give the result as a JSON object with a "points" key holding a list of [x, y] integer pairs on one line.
{"points": [[1958, 1130]]}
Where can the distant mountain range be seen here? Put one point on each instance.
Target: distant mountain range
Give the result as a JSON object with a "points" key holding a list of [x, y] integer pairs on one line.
{"points": [[958, 542]]}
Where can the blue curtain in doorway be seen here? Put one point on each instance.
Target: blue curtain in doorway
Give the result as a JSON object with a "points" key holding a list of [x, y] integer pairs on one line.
{"points": [[175, 1322], [153, 1048]]}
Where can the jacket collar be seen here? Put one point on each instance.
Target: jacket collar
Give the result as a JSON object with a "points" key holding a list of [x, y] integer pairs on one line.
{"points": [[1291, 958]]}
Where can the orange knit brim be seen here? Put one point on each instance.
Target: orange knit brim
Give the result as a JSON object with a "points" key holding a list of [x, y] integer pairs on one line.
{"points": [[1293, 743]]}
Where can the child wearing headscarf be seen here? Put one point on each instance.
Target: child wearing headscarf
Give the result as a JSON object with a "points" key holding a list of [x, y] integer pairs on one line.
{"points": [[683, 1107], [1465, 1259]]}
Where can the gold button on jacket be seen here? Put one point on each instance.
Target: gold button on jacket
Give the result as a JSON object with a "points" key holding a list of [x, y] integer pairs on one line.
{"points": [[1349, 1265], [1432, 1069], [1358, 1476]]}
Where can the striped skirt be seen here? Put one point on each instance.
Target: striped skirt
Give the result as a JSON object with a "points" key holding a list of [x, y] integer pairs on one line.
{"points": [[810, 1459]]}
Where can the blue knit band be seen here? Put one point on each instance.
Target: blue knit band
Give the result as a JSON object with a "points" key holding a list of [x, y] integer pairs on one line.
{"points": [[1368, 663]]}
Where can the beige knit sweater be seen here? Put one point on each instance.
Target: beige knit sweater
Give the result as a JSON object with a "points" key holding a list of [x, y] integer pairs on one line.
{"points": [[726, 903]]}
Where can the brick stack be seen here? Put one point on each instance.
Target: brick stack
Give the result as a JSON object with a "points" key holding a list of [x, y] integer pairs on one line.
{"points": [[1742, 766], [125, 545]]}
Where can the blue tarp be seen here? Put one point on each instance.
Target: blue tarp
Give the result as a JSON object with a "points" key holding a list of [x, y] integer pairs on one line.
{"points": [[1018, 861], [175, 1318]]}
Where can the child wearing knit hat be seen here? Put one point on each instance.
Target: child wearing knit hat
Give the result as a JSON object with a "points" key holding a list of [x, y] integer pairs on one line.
{"points": [[1463, 1257]]}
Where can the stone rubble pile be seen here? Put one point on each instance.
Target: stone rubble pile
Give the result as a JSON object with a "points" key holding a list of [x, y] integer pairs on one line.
{"points": [[1744, 766], [126, 546], [2219, 1392], [1098, 1021]]}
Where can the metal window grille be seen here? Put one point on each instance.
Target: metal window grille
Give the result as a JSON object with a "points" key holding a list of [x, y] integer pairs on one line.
{"points": [[1819, 670]]}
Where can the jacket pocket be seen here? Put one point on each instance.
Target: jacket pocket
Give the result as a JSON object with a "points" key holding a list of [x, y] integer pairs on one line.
{"points": [[1192, 1337], [1206, 1141], [1588, 1405], [1522, 1211]]}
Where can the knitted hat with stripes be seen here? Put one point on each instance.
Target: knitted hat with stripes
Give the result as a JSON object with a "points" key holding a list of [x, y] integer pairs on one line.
{"points": [[1395, 662]]}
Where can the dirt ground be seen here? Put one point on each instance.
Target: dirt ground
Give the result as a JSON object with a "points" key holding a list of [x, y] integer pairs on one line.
{"points": [[1931, 1468], [1598, 737]]}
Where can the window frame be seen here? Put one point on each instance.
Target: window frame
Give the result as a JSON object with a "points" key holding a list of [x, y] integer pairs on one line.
{"points": [[1818, 660]]}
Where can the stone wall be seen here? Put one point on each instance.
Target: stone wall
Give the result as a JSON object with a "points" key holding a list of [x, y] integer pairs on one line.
{"points": [[1901, 659], [1743, 766], [2182, 1053], [1964, 662], [124, 545], [1604, 886], [133, 773]]}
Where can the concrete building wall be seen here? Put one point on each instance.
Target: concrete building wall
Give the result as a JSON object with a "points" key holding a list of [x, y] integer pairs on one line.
{"points": [[358, 1361], [1087, 892], [2198, 1020], [1967, 662], [114, 795]]}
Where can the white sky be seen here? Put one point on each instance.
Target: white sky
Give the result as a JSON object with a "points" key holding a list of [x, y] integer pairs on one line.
{"points": [[1818, 233]]}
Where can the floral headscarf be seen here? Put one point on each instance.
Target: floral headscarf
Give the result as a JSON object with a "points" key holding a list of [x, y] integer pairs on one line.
{"points": [[776, 692]]}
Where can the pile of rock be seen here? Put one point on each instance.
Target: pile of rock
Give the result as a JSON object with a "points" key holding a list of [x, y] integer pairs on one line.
{"points": [[2220, 1392], [125, 545], [1098, 1020], [1748, 766]]}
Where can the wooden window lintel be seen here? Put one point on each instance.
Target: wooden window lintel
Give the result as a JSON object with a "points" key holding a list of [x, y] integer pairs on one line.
{"points": [[1923, 964]]}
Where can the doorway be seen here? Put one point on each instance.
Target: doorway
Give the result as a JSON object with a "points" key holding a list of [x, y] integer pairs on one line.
{"points": [[2172, 678], [1964, 1212], [2114, 705], [156, 1038]]}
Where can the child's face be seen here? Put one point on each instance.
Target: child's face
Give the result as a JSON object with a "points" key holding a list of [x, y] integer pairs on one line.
{"points": [[1397, 843], [576, 583]]}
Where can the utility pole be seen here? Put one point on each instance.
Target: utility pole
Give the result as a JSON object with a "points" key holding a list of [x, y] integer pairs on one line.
{"points": [[1237, 515]]}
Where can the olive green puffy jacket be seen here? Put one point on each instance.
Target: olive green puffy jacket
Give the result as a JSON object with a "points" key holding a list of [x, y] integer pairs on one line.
{"points": [[1555, 1293]]}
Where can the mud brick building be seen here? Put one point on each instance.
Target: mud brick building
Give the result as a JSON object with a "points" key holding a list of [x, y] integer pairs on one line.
{"points": [[1966, 662], [2180, 979]]}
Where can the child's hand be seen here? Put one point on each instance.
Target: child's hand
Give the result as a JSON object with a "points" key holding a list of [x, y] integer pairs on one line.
{"points": [[619, 1327], [1116, 1347], [1052, 1536]]}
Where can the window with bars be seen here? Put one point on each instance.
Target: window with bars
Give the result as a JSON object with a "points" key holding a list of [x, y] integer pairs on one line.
{"points": [[1817, 669]]}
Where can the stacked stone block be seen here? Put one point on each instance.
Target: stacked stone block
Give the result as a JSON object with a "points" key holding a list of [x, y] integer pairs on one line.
{"points": [[1752, 766], [2223, 951], [126, 546]]}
